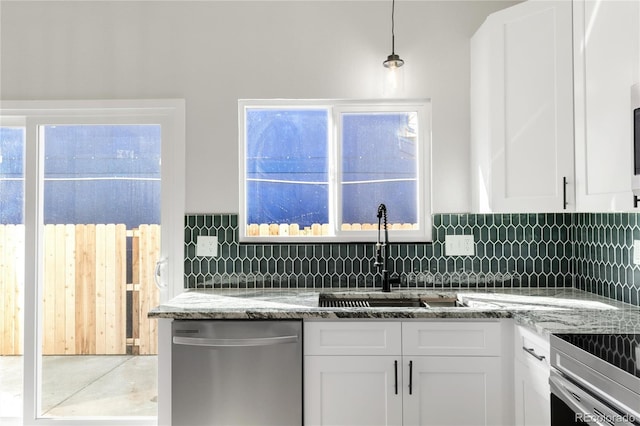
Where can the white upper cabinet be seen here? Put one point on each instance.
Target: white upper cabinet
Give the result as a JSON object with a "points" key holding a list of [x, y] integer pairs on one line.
{"points": [[522, 110], [547, 77], [607, 64]]}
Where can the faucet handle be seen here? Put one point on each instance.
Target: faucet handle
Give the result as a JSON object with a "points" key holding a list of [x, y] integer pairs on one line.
{"points": [[378, 262]]}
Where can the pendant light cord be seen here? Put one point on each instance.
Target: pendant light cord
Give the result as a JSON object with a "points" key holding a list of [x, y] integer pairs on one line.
{"points": [[393, 61], [393, 25]]}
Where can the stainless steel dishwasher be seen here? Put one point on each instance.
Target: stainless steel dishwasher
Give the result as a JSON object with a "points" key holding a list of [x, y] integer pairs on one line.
{"points": [[227, 372]]}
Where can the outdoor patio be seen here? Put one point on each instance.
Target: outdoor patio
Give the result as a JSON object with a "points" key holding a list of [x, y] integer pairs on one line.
{"points": [[85, 385]]}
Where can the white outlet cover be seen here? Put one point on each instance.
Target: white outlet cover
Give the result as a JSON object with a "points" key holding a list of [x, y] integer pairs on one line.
{"points": [[459, 245], [207, 245], [636, 252]]}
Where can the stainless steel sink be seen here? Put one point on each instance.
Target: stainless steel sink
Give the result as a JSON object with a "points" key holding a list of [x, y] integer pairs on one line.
{"points": [[378, 300], [442, 302], [360, 302]]}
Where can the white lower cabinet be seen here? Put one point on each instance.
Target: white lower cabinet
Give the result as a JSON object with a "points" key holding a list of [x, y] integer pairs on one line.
{"points": [[352, 390], [531, 395], [443, 373], [453, 391], [531, 379]]}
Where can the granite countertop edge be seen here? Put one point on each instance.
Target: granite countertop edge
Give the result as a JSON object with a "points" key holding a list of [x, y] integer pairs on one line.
{"points": [[546, 310]]}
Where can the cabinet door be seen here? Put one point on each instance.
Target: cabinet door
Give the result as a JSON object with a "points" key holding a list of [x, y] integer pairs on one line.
{"points": [[528, 109], [352, 390], [452, 391], [532, 392], [531, 378], [607, 56]]}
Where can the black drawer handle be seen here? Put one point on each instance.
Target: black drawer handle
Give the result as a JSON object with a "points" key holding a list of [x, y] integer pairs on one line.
{"points": [[410, 377], [396, 375], [564, 193], [533, 353]]}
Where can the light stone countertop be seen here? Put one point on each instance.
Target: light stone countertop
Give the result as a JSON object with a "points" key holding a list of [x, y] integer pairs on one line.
{"points": [[547, 310]]}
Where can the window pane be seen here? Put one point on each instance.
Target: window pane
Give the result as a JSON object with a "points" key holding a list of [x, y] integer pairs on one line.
{"points": [[287, 167], [379, 165], [101, 239], [11, 175], [102, 174]]}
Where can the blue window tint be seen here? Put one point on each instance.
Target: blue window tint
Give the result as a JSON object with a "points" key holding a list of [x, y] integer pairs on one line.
{"points": [[287, 166], [102, 174], [11, 175], [320, 169], [379, 165]]}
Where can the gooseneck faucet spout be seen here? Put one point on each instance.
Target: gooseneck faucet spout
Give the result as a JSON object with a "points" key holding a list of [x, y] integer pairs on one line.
{"points": [[382, 249]]}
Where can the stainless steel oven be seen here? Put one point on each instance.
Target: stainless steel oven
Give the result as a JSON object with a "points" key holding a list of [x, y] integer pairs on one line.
{"points": [[595, 379]]}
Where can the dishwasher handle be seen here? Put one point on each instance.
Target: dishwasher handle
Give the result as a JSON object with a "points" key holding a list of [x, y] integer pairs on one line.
{"points": [[234, 343]]}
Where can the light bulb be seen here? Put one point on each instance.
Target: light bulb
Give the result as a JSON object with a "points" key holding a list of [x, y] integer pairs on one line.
{"points": [[393, 81]]}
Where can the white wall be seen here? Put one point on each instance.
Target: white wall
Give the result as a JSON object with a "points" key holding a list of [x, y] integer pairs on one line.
{"points": [[213, 53]]}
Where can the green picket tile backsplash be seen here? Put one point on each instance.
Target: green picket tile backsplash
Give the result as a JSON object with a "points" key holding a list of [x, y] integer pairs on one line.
{"points": [[511, 250], [590, 251], [603, 261]]}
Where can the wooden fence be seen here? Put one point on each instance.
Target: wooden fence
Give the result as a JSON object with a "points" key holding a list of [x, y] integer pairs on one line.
{"points": [[87, 302], [316, 229], [11, 292], [143, 290]]}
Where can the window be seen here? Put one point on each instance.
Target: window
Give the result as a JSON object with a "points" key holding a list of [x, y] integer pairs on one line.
{"points": [[317, 170]]}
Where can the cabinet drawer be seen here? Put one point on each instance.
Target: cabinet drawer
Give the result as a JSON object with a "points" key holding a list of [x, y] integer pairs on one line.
{"points": [[530, 347], [352, 338], [451, 338]]}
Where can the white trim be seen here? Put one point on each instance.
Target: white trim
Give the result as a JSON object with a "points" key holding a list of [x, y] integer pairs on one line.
{"points": [[170, 114], [32, 275]]}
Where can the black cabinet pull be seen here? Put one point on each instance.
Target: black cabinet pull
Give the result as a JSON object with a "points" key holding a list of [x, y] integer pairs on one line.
{"points": [[410, 377], [564, 193], [396, 375]]}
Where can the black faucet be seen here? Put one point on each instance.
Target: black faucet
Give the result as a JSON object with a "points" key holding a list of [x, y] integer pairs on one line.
{"points": [[382, 251]]}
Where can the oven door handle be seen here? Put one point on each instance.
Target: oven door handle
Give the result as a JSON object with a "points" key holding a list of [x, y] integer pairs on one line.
{"points": [[565, 391]]}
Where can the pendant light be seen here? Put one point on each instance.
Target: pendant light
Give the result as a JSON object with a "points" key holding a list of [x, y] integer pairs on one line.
{"points": [[393, 61]]}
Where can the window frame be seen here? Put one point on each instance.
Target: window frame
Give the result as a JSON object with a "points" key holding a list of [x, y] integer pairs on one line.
{"points": [[335, 109]]}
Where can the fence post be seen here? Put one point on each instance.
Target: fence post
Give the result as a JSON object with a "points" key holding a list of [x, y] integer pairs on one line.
{"points": [[144, 294]]}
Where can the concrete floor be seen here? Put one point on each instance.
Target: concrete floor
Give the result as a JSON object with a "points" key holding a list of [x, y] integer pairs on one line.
{"points": [[108, 385]]}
